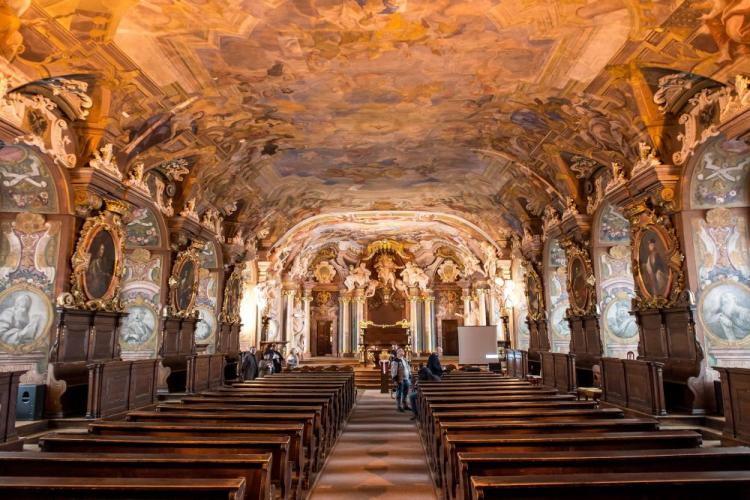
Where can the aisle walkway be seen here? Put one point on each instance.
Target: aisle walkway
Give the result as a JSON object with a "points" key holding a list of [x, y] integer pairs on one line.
{"points": [[378, 456]]}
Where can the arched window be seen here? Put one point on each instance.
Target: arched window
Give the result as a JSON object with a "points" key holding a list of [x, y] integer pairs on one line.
{"points": [[716, 229], [615, 286], [557, 296]]}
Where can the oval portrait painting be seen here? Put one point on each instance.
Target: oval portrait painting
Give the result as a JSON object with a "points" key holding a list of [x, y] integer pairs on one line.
{"points": [[579, 287], [102, 259], [185, 285], [653, 262]]}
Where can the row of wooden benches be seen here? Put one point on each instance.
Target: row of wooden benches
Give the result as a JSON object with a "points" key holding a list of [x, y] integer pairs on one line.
{"points": [[262, 439], [488, 436]]}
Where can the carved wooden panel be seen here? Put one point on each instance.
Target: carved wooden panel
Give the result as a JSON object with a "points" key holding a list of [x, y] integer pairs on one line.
{"points": [[143, 380], [613, 381], [72, 342], [198, 371], [735, 390], [517, 363], [105, 340], [577, 335], [8, 396], [216, 371], [170, 337], [635, 384], [593, 336], [187, 336], [559, 371], [680, 336], [652, 343]]}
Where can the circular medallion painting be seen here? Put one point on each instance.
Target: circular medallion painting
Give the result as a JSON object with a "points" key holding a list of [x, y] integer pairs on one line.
{"points": [[102, 258], [724, 310], [139, 326], [558, 323], [206, 327], [25, 316], [619, 322]]}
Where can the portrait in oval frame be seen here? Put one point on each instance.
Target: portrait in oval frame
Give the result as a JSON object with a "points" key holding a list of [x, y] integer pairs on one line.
{"points": [[534, 295], [184, 282], [98, 260], [579, 288], [654, 253]]}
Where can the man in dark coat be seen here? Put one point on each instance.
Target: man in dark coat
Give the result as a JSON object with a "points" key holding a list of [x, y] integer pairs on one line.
{"points": [[250, 365]]}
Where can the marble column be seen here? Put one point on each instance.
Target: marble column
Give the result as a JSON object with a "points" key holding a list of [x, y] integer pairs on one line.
{"points": [[359, 316], [466, 296], [429, 320], [414, 319], [289, 322], [482, 299], [344, 300], [307, 299], [494, 307]]}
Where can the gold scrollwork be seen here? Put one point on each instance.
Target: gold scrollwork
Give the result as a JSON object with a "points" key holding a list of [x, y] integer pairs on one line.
{"points": [[184, 282], [580, 281], [534, 295], [657, 261], [97, 272], [230, 309]]}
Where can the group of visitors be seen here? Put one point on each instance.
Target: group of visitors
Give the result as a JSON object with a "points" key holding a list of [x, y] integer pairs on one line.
{"points": [[272, 361], [402, 378]]}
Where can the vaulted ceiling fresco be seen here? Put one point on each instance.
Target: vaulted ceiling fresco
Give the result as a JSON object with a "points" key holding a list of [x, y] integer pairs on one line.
{"points": [[489, 110]]}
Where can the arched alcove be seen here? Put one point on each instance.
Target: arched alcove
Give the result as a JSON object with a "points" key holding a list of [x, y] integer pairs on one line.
{"points": [[716, 222], [36, 228], [555, 278], [615, 285]]}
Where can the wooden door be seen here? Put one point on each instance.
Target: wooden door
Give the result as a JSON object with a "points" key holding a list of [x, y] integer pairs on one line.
{"points": [[450, 337], [323, 333]]}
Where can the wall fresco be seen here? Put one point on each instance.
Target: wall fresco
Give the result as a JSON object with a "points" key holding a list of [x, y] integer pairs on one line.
{"points": [[723, 261], [616, 290], [143, 229], [720, 176], [25, 181], [29, 249], [141, 297], [558, 295]]}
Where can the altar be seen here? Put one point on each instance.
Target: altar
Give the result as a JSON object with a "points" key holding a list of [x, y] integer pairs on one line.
{"points": [[377, 338]]}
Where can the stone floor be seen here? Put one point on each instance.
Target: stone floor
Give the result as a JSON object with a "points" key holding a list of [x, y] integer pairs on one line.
{"points": [[378, 456]]}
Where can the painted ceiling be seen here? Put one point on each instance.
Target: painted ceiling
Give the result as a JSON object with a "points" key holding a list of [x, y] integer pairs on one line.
{"points": [[293, 108]]}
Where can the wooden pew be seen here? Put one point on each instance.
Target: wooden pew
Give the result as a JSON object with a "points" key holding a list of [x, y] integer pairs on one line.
{"points": [[598, 462], [642, 485], [306, 419], [532, 443], [490, 427], [254, 469], [146, 446], [77, 488]]}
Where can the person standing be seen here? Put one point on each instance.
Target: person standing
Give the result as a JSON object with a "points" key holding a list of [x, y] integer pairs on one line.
{"points": [[250, 365], [401, 375]]}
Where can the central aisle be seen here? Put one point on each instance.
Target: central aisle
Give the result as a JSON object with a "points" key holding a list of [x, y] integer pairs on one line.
{"points": [[377, 456]]}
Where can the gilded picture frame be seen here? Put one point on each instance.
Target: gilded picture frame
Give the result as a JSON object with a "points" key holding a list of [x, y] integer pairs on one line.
{"points": [[657, 261], [580, 280], [98, 261], [184, 282], [230, 308], [534, 295]]}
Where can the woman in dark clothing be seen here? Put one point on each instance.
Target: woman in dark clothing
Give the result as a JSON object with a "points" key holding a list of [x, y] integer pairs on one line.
{"points": [[250, 365]]}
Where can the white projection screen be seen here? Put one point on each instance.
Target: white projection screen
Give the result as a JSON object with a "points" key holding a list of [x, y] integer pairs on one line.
{"points": [[476, 343]]}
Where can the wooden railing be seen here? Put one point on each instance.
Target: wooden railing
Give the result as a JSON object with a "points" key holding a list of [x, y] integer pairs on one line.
{"points": [[635, 384]]}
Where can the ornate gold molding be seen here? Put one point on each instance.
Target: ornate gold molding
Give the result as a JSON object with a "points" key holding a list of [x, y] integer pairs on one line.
{"points": [[182, 298], [660, 280], [580, 280], [534, 293], [230, 308], [83, 276]]}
